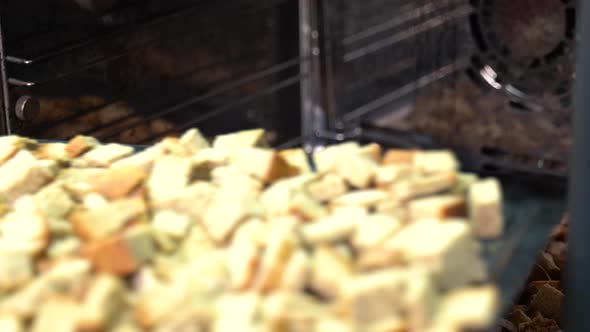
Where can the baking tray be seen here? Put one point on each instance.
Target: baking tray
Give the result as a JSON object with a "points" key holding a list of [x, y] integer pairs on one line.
{"points": [[533, 205]]}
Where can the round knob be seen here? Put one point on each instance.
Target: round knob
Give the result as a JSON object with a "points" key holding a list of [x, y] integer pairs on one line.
{"points": [[27, 108]]}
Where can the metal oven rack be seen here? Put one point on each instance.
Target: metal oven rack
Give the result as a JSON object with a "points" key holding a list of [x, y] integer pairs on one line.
{"points": [[146, 69]]}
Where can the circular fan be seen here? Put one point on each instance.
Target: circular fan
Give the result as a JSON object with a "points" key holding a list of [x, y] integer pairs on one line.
{"points": [[526, 48]]}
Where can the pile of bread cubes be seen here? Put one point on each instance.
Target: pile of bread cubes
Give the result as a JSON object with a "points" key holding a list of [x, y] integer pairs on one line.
{"points": [[229, 235]]}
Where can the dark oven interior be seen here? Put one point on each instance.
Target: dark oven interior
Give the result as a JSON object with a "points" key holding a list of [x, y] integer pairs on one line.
{"points": [[133, 71], [490, 78]]}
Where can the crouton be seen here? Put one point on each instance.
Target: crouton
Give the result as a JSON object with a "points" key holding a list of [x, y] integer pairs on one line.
{"points": [[280, 246], [386, 175], [435, 161], [105, 155], [365, 198], [232, 176], [123, 253], [241, 139], [53, 201], [16, 269], [437, 207], [374, 230], [21, 175], [357, 170], [11, 323], [170, 175], [103, 303], [63, 247], [327, 188], [118, 182], [52, 151], [330, 268], [237, 312], [330, 229], [282, 198], [243, 260], [397, 157], [296, 158], [297, 272], [469, 308], [193, 140], [7, 151], [325, 159], [464, 181], [264, 164], [171, 223], [422, 299], [143, 160], [57, 314], [485, 209], [79, 145], [27, 227], [417, 186], [373, 151]]}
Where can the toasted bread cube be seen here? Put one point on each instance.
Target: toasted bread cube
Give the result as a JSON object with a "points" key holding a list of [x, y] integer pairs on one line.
{"points": [[283, 198], [16, 269], [485, 209], [104, 301], [53, 201], [197, 243], [373, 151], [397, 157], [297, 272], [375, 296], [437, 207], [241, 139], [330, 268], [296, 310], [103, 221], [417, 186], [377, 258], [327, 188], [105, 155], [11, 323], [52, 151], [253, 230], [296, 158], [330, 229], [391, 324], [143, 160], [364, 198], [334, 325], [464, 181], [281, 244], [386, 175], [237, 312], [7, 151], [80, 144], [325, 159], [193, 140], [122, 254], [57, 314], [63, 247], [469, 308], [149, 311], [22, 174], [169, 176], [118, 182], [435, 161], [374, 230], [447, 249], [227, 210], [27, 227], [263, 164], [232, 176], [422, 299], [357, 170], [171, 224], [243, 261], [193, 201]]}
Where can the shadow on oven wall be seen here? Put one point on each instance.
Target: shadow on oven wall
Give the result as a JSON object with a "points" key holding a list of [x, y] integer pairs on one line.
{"points": [[135, 71]]}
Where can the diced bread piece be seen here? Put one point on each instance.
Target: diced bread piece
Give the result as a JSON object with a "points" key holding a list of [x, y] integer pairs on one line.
{"points": [[485, 209], [63, 247], [76, 181], [397, 157], [392, 324], [25, 229], [263, 164], [297, 272], [417, 186], [192, 201], [373, 151], [386, 175], [437, 207], [22, 174], [7, 151], [171, 224], [53, 201], [197, 243], [172, 147], [254, 230], [169, 176], [243, 259], [283, 198], [227, 210], [330, 324], [356, 169], [193, 140], [118, 182], [122, 253], [143, 160], [447, 249], [435, 161], [325, 159], [11, 323], [57, 314], [422, 299], [237, 312], [105, 155], [149, 311], [375, 296], [103, 303], [232, 176], [374, 230], [211, 158], [297, 311], [365, 198], [329, 187], [16, 269], [281, 244], [464, 181], [378, 258], [102, 222], [296, 158], [241, 139], [469, 308], [80, 144], [52, 151], [330, 229], [330, 269]]}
